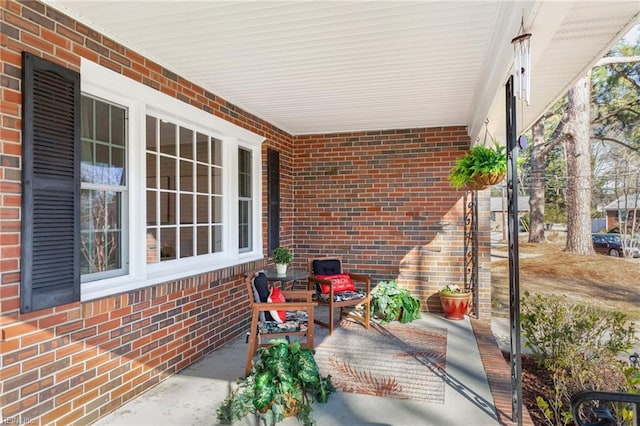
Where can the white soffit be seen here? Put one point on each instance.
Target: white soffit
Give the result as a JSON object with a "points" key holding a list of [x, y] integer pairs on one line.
{"points": [[334, 66], [584, 33]]}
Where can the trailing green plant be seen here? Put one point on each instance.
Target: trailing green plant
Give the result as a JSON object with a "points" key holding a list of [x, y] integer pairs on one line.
{"points": [[284, 379], [579, 345], [489, 159], [281, 255], [480, 160], [462, 171], [388, 301]]}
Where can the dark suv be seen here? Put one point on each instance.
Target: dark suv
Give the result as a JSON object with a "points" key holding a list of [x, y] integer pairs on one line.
{"points": [[611, 244]]}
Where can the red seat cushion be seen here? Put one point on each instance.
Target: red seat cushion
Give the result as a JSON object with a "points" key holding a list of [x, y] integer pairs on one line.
{"points": [[341, 282], [276, 296]]}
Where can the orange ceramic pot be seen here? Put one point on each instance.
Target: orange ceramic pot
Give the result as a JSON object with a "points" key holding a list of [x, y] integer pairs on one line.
{"points": [[455, 305]]}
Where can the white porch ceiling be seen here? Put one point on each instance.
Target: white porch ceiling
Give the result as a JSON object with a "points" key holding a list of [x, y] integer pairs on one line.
{"points": [[333, 66]]}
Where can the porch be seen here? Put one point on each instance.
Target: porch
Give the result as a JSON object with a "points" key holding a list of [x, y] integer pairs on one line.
{"points": [[476, 386], [362, 130]]}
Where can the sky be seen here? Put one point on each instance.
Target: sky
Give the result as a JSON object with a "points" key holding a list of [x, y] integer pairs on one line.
{"points": [[633, 36]]}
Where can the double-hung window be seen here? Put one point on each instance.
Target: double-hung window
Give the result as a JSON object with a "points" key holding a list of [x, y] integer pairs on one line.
{"points": [[244, 199], [168, 190], [104, 194]]}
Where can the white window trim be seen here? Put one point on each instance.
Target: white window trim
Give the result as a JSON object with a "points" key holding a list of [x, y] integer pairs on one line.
{"points": [[140, 100]]}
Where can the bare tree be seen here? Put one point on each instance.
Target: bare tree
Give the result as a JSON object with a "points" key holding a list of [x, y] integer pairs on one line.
{"points": [[536, 195], [539, 155], [620, 171], [575, 129], [578, 148]]}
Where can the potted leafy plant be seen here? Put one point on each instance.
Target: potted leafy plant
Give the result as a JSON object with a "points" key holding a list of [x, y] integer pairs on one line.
{"points": [[481, 167], [455, 301], [284, 381], [390, 302], [281, 257]]}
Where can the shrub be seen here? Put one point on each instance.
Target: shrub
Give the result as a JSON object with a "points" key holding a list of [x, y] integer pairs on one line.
{"points": [[554, 328], [632, 379], [579, 345]]}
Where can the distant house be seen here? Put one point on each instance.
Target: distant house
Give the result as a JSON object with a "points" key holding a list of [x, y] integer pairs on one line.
{"points": [[622, 210], [499, 208]]}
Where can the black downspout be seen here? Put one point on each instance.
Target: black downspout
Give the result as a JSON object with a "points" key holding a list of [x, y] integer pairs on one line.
{"points": [[514, 267], [476, 259]]}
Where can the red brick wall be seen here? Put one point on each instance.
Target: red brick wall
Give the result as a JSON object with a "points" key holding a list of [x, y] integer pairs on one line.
{"points": [[611, 219], [382, 201], [75, 363]]}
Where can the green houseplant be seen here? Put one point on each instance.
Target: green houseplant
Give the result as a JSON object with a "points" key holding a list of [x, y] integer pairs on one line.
{"points": [[390, 302], [479, 168], [281, 257], [284, 381]]}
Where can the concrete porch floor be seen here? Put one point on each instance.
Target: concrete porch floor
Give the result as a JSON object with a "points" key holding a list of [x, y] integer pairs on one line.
{"points": [[477, 389]]}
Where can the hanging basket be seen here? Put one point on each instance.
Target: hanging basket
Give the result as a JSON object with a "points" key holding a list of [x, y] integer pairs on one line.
{"points": [[488, 179], [475, 186]]}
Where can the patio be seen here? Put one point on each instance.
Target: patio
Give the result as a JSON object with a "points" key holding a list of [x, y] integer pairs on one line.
{"points": [[476, 378]]}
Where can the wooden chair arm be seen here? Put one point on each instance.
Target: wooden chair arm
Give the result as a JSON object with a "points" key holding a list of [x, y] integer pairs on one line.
{"points": [[362, 278], [359, 277], [284, 306], [313, 281]]}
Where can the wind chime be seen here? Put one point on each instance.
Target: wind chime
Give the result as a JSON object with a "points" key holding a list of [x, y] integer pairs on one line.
{"points": [[522, 64], [522, 71]]}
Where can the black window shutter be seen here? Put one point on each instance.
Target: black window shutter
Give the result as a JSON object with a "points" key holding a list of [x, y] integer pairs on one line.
{"points": [[50, 272], [273, 198]]}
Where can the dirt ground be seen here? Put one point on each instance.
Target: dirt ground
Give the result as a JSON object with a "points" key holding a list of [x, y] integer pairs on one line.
{"points": [[613, 283]]}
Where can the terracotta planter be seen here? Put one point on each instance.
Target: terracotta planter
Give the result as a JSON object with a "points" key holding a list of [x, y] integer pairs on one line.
{"points": [[455, 306]]}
